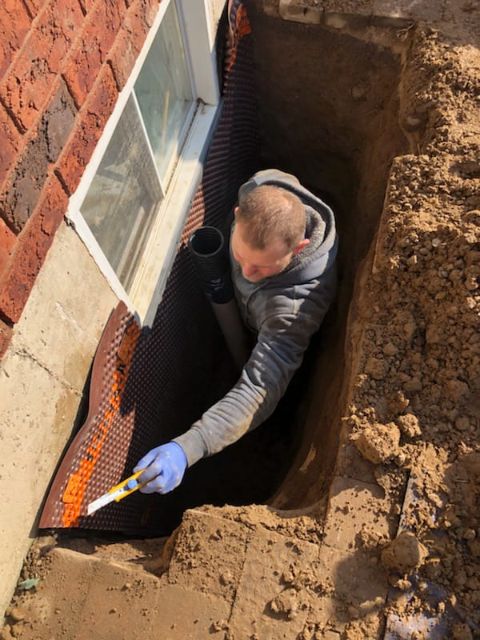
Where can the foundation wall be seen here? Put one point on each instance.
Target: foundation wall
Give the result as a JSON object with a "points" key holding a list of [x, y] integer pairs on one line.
{"points": [[42, 379]]}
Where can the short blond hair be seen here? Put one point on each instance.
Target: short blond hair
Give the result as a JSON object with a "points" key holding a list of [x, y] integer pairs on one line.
{"points": [[269, 213]]}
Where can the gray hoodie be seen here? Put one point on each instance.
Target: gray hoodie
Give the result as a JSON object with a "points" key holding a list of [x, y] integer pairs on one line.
{"points": [[284, 310]]}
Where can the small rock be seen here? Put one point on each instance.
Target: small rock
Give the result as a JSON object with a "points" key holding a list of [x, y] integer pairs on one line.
{"points": [[226, 578], [397, 402], [286, 603], [403, 584], [219, 625]]}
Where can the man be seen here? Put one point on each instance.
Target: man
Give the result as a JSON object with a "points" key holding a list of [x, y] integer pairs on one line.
{"points": [[283, 247]]}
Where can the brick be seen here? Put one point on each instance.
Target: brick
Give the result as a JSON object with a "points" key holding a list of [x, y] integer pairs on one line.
{"points": [[26, 180], [11, 140], [91, 50], [58, 120], [31, 249], [131, 37], [26, 89], [34, 6], [7, 245], [24, 185], [150, 11], [92, 120], [14, 26], [87, 5], [5, 337]]}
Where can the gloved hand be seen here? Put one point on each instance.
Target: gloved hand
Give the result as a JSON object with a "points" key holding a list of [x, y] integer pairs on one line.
{"points": [[164, 468]]}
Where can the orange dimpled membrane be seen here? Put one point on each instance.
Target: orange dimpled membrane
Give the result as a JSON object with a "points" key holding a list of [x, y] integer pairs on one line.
{"points": [[67, 500], [74, 494]]}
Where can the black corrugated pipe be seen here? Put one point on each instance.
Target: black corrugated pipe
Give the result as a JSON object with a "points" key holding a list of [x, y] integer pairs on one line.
{"points": [[207, 246]]}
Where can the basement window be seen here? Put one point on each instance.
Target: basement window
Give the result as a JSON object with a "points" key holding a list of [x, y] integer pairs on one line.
{"points": [[133, 199]]}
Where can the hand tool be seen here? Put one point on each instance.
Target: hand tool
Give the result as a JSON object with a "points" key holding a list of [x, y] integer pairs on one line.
{"points": [[115, 494]]}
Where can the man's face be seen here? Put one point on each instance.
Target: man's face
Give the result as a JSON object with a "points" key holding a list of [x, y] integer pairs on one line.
{"points": [[257, 264]]}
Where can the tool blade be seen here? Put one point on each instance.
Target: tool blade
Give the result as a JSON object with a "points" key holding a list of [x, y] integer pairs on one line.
{"points": [[97, 504]]}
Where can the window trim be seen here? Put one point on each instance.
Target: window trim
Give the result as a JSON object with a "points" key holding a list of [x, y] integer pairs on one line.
{"points": [[157, 258]]}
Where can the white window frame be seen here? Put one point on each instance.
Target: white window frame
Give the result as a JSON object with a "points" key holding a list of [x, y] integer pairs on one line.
{"points": [[160, 250]]}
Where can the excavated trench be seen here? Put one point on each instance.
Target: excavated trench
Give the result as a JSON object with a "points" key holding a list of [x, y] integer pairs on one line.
{"points": [[328, 113], [329, 99]]}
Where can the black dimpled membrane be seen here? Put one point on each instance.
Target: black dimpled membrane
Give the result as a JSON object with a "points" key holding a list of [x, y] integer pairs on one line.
{"points": [[149, 385]]}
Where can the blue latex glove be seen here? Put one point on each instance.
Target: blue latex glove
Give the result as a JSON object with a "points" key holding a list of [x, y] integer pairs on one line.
{"points": [[164, 468]]}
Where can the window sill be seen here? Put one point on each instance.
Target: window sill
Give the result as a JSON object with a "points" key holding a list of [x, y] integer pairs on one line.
{"points": [[151, 277]]}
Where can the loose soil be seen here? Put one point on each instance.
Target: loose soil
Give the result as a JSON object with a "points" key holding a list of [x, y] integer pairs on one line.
{"points": [[393, 546]]}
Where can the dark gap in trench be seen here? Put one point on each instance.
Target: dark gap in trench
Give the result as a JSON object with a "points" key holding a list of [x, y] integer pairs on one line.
{"points": [[328, 106]]}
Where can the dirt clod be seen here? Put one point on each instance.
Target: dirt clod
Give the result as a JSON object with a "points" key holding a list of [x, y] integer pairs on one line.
{"points": [[404, 554], [378, 442]]}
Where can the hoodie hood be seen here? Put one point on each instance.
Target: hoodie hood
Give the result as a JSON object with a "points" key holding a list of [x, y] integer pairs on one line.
{"points": [[319, 255]]}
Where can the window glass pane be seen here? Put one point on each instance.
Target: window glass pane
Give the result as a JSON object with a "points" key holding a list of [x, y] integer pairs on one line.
{"points": [[122, 200], [164, 92]]}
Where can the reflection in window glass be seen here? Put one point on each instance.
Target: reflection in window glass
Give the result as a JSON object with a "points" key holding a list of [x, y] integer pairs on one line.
{"points": [[164, 93], [122, 200]]}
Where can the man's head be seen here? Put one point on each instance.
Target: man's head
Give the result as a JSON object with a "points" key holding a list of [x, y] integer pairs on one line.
{"points": [[269, 231]]}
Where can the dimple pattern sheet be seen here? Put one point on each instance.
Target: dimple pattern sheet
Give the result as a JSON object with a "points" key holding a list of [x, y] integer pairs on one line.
{"points": [[149, 385]]}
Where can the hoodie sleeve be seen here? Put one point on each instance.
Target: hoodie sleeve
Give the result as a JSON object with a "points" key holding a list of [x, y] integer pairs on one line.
{"points": [[278, 353]]}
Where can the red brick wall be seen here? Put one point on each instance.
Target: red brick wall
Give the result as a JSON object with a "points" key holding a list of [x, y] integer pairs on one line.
{"points": [[62, 64]]}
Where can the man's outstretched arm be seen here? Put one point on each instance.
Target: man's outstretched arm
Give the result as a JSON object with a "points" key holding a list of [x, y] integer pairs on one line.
{"points": [[278, 353]]}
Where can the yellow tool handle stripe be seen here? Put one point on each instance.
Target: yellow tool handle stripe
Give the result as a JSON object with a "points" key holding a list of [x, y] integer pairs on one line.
{"points": [[125, 482]]}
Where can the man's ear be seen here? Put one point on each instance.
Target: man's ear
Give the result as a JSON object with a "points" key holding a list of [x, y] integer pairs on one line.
{"points": [[235, 211], [301, 246]]}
